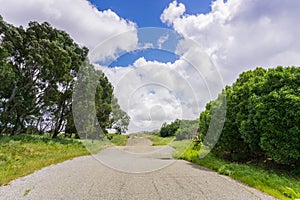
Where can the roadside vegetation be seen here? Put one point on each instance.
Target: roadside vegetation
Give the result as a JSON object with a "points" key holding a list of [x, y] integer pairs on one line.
{"points": [[156, 139], [259, 144], [279, 183], [180, 146], [262, 117], [23, 154], [45, 75], [117, 139], [41, 71]]}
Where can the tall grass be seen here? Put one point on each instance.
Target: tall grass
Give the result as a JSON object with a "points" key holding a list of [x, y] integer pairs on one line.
{"points": [[21, 155], [119, 140], [280, 184], [180, 147]]}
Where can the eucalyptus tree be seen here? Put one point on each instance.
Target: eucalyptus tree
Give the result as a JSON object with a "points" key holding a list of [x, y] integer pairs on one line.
{"points": [[42, 62], [92, 104], [39, 68]]}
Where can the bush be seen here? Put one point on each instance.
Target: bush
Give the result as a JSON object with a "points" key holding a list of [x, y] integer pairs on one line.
{"points": [[263, 116], [188, 129], [279, 121], [168, 130]]}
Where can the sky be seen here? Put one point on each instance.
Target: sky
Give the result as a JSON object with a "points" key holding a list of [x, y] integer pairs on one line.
{"points": [[192, 50], [147, 13]]}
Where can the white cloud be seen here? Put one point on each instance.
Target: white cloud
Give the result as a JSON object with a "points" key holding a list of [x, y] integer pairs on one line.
{"points": [[86, 25], [152, 92], [174, 11], [110, 49], [162, 40], [242, 35]]}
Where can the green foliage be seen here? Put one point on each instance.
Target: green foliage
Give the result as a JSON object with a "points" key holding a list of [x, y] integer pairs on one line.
{"points": [[92, 96], [262, 119], [104, 98], [182, 129], [159, 141], [188, 129], [40, 64], [204, 119], [39, 68], [168, 130], [26, 192], [119, 118], [181, 146], [231, 142]]}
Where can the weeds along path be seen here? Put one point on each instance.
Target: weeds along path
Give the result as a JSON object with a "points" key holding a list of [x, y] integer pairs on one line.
{"points": [[135, 171]]}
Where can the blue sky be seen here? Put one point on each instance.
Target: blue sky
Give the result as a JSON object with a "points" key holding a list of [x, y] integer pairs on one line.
{"points": [[146, 13], [149, 54]]}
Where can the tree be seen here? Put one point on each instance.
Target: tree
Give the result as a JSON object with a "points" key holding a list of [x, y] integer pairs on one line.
{"points": [[169, 129], [204, 120], [274, 116], [92, 103], [83, 105], [188, 129], [105, 103], [231, 142], [18, 95], [43, 62], [40, 68], [119, 118]]}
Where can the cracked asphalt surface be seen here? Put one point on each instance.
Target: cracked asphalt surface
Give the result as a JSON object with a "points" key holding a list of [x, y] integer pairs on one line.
{"points": [[136, 171]]}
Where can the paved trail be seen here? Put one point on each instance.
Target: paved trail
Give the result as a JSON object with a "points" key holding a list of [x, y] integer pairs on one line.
{"points": [[136, 171]]}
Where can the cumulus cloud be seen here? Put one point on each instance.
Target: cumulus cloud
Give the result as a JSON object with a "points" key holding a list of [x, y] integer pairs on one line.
{"points": [[241, 35], [152, 92], [86, 24], [174, 11]]}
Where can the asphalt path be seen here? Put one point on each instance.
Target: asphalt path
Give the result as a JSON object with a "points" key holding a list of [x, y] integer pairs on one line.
{"points": [[135, 171]]}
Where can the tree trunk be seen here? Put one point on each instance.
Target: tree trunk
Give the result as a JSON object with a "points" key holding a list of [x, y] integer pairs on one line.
{"points": [[59, 121]]}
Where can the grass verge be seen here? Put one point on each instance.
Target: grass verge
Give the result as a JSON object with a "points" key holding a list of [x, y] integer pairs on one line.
{"points": [[157, 140], [119, 140], [279, 184], [21, 155], [97, 145]]}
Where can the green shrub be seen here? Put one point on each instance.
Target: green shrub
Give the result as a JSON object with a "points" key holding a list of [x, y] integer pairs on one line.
{"points": [[168, 130], [263, 117], [188, 129]]}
